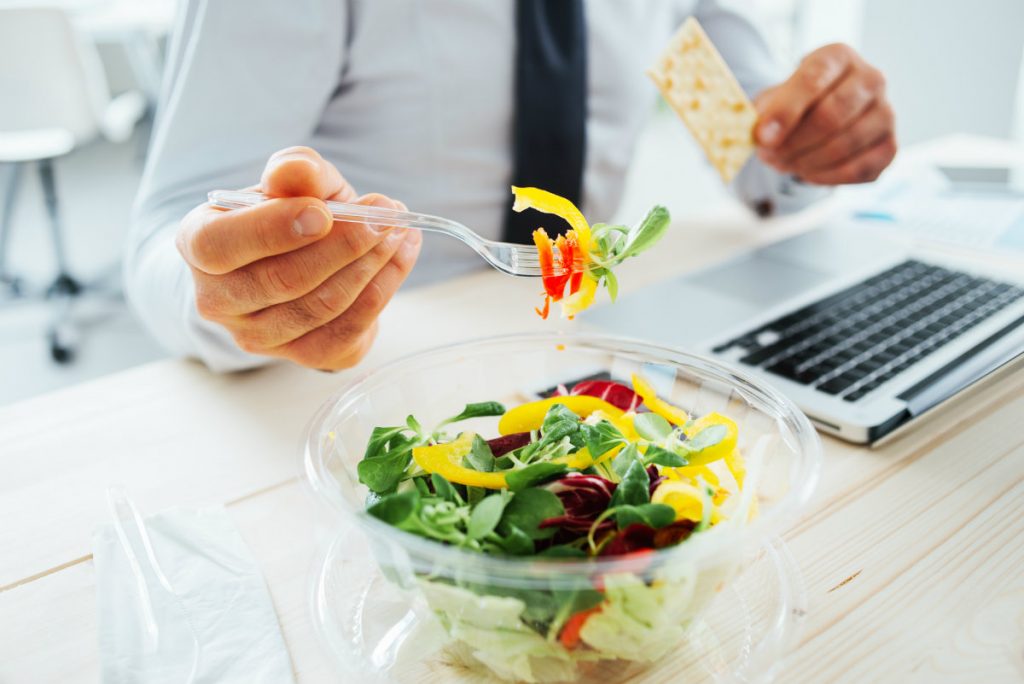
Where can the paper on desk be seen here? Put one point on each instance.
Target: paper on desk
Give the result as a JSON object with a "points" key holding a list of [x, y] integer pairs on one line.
{"points": [[217, 586]]}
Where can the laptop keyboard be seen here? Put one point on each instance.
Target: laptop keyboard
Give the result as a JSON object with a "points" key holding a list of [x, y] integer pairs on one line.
{"points": [[857, 339]]}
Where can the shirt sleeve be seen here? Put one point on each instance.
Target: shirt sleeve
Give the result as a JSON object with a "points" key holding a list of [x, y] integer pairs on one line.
{"points": [[243, 80], [729, 25]]}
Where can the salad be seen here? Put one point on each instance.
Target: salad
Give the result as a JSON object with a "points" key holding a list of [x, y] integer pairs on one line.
{"points": [[573, 265], [600, 471]]}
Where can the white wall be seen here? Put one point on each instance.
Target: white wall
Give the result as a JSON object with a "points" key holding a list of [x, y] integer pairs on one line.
{"points": [[952, 65]]}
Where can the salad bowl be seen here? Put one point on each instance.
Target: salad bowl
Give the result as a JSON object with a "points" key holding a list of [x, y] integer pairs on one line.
{"points": [[417, 606]]}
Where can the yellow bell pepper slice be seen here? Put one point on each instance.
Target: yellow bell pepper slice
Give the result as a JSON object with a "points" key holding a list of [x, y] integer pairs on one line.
{"points": [[550, 203], [446, 459], [582, 299], [717, 451], [691, 473], [683, 497], [737, 467], [579, 460], [530, 416], [672, 414]]}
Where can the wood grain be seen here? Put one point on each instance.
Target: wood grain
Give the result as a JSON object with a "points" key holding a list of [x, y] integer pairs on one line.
{"points": [[911, 552]]}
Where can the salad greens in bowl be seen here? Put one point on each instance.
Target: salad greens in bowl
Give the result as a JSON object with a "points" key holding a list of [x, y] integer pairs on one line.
{"points": [[544, 505]]}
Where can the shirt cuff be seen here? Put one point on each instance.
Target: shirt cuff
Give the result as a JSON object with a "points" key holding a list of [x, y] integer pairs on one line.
{"points": [[771, 193]]}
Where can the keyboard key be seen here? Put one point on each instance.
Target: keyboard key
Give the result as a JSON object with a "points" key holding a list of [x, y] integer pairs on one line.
{"points": [[786, 368], [839, 383], [874, 330]]}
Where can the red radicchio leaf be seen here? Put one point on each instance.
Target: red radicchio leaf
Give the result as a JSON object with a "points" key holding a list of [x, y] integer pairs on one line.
{"points": [[634, 538], [506, 443], [616, 394], [673, 534], [584, 498], [655, 478]]}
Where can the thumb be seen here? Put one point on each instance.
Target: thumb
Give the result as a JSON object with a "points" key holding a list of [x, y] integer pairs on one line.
{"points": [[302, 172]]}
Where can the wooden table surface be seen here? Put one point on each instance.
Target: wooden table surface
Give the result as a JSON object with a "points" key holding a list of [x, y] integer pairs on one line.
{"points": [[912, 553]]}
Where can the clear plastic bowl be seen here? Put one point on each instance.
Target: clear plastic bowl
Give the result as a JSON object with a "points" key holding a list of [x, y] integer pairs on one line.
{"points": [[477, 638], [740, 639]]}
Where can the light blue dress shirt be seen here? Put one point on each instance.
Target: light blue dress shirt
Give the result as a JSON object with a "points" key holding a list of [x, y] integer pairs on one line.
{"points": [[411, 98]]}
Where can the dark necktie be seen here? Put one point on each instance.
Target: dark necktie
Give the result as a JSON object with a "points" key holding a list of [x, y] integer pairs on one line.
{"points": [[550, 108]]}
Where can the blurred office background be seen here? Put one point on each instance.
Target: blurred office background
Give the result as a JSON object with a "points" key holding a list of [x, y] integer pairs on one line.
{"points": [[953, 66]]}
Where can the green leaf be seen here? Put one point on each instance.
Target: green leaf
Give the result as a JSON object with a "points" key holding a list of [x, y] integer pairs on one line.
{"points": [[395, 509], [480, 457], [624, 459], [485, 515], [387, 457], [647, 232], [540, 604], [602, 437], [663, 457], [610, 239], [515, 542], [383, 473], [572, 601], [634, 488], [414, 424], [504, 463], [530, 507], [559, 422], [652, 427], [708, 437], [420, 484], [611, 281], [650, 514], [379, 439], [581, 599], [443, 488], [484, 408], [532, 474], [475, 495]]}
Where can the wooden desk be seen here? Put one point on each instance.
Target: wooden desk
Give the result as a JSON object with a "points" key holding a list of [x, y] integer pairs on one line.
{"points": [[912, 553]]}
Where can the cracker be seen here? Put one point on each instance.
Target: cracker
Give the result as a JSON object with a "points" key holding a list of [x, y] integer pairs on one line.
{"points": [[703, 91]]}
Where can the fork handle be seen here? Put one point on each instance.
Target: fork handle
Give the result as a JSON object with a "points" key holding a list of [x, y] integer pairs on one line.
{"points": [[343, 211]]}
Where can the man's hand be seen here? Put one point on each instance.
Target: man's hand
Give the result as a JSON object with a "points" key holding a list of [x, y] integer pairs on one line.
{"points": [[830, 122], [284, 279]]}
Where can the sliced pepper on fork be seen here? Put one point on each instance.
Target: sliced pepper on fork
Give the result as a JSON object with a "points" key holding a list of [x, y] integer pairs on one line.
{"points": [[564, 274]]}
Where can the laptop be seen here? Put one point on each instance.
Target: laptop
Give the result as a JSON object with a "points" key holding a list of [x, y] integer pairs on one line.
{"points": [[862, 330]]}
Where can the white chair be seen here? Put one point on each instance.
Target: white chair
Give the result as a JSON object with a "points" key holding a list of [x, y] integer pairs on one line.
{"points": [[54, 98]]}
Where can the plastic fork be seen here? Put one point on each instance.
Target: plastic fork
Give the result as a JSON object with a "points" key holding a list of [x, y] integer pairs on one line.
{"points": [[507, 257]]}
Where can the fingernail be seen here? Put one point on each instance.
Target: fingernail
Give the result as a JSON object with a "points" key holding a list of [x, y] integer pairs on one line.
{"points": [[396, 235], [374, 199], [769, 132], [313, 220]]}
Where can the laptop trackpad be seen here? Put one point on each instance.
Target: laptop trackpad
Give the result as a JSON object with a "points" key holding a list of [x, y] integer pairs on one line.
{"points": [[717, 299], [759, 280]]}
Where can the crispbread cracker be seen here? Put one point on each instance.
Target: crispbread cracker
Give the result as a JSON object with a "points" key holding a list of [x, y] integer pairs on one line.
{"points": [[698, 84]]}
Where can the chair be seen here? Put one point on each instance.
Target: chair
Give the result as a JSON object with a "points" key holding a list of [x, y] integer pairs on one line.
{"points": [[55, 99]]}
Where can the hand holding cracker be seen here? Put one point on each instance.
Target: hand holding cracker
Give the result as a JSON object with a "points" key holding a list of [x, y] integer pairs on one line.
{"points": [[830, 122]]}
